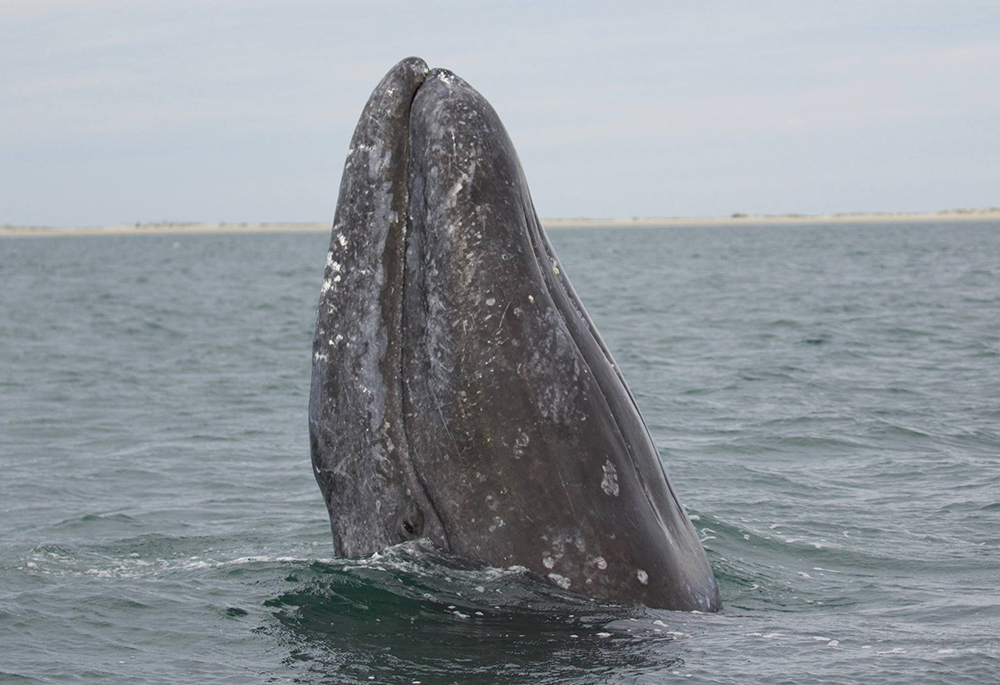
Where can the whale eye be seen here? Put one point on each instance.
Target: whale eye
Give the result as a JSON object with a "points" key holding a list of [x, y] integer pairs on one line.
{"points": [[411, 522]]}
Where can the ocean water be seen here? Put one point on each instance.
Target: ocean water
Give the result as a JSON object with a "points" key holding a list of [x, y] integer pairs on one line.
{"points": [[826, 400]]}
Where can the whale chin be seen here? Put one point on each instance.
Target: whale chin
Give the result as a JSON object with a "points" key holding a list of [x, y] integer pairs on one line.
{"points": [[460, 392]]}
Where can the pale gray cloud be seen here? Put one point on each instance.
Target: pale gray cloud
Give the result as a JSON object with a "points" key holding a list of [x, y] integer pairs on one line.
{"points": [[241, 110]]}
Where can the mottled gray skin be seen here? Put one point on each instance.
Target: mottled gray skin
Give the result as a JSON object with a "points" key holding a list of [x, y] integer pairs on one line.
{"points": [[460, 391]]}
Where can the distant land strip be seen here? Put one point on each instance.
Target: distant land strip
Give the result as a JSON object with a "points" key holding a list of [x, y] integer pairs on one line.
{"points": [[738, 219]]}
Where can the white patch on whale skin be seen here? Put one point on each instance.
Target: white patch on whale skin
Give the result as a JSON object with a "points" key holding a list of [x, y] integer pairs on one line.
{"points": [[601, 563], [561, 581], [520, 443], [335, 267], [609, 483], [342, 240], [548, 562], [465, 179], [379, 159], [490, 301], [642, 576]]}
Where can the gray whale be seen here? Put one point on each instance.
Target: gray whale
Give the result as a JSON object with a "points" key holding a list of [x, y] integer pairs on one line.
{"points": [[460, 392]]}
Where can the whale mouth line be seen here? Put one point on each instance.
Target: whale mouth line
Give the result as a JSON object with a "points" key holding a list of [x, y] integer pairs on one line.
{"points": [[407, 239]]}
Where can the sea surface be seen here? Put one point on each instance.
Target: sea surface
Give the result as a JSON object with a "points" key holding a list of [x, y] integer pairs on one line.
{"points": [[826, 400]]}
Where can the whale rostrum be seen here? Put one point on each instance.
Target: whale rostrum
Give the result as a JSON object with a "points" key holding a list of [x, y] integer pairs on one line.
{"points": [[460, 392]]}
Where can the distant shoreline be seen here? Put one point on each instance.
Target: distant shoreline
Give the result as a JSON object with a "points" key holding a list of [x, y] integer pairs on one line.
{"points": [[181, 228]]}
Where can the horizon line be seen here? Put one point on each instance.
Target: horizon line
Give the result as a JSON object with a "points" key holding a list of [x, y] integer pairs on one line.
{"points": [[737, 218]]}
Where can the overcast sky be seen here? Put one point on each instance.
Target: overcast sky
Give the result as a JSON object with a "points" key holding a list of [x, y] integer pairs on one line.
{"points": [[219, 110]]}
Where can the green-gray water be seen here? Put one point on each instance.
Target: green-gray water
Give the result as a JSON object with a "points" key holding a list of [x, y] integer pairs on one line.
{"points": [[826, 400]]}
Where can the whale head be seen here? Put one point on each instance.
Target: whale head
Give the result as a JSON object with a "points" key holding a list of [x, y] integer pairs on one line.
{"points": [[460, 392]]}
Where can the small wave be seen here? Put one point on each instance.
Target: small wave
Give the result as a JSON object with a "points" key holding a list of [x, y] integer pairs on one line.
{"points": [[90, 520]]}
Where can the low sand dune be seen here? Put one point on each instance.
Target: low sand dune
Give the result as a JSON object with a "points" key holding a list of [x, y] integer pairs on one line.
{"points": [[991, 214]]}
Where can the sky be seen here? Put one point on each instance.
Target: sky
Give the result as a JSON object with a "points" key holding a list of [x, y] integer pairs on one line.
{"points": [[242, 110]]}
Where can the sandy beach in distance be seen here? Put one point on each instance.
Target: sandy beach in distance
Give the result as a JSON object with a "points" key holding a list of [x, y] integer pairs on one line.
{"points": [[991, 214]]}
